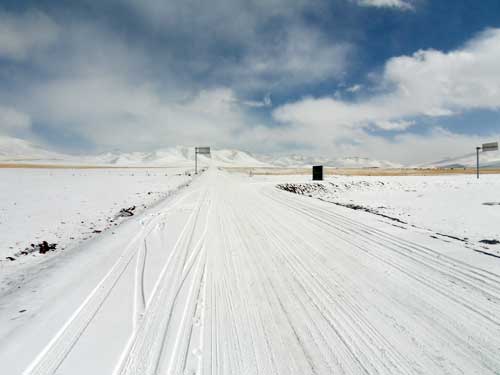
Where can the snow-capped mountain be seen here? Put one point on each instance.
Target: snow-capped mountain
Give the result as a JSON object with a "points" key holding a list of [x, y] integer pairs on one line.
{"points": [[300, 161], [14, 150], [21, 151], [490, 159]]}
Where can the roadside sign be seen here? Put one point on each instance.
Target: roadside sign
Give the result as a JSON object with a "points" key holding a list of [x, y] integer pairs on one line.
{"points": [[199, 150], [317, 173], [492, 146], [203, 150]]}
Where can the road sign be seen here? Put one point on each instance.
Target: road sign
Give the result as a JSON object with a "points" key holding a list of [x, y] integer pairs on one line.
{"points": [[199, 150], [203, 150], [318, 173], [492, 146]]}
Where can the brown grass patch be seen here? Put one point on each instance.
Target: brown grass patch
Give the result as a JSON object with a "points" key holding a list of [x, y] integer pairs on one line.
{"points": [[64, 166], [361, 171]]}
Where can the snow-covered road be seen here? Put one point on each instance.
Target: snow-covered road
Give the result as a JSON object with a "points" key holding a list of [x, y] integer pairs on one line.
{"points": [[235, 277]]}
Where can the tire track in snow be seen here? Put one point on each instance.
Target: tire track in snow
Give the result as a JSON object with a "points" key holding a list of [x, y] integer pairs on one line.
{"points": [[148, 349], [53, 354], [267, 283], [140, 297], [456, 331], [284, 235], [483, 281]]}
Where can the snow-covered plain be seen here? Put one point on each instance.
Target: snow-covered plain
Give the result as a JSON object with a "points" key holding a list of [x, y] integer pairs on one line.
{"points": [[459, 206], [69, 206], [234, 276]]}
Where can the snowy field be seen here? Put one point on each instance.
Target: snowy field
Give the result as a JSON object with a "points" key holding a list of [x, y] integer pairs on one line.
{"points": [[69, 206], [448, 206], [232, 275]]}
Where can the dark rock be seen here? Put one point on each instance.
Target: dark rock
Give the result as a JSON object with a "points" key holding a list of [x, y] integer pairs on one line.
{"points": [[126, 212], [490, 242], [44, 247]]}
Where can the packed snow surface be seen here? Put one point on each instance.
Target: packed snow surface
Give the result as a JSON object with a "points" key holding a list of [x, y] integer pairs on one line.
{"points": [[234, 276], [68, 206], [452, 205]]}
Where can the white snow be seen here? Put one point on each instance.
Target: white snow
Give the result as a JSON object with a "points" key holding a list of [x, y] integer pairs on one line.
{"points": [[66, 206], [453, 205], [227, 274], [234, 276]]}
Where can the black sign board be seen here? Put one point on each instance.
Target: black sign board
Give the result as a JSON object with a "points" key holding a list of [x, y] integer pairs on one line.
{"points": [[493, 146], [317, 173]]}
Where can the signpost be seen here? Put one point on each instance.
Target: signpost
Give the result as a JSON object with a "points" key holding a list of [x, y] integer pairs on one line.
{"points": [[492, 146], [317, 173], [201, 151]]}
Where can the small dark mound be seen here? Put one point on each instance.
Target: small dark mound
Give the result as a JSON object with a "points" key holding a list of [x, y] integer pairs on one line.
{"points": [[490, 242], [44, 247], [126, 212]]}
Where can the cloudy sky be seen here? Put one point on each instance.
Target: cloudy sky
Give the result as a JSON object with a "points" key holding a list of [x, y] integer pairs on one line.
{"points": [[403, 80]]}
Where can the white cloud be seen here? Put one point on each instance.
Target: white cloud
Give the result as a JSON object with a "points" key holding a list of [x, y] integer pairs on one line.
{"points": [[401, 4], [113, 112], [394, 125], [413, 149], [429, 83], [268, 45], [21, 35], [301, 55], [107, 90], [432, 81], [354, 88], [104, 90]]}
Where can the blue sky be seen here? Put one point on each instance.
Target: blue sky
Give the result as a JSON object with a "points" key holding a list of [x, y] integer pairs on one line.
{"points": [[404, 80]]}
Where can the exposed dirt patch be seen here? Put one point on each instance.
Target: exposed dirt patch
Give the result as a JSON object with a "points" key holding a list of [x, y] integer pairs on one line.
{"points": [[317, 188], [491, 203], [453, 237], [126, 212], [490, 242]]}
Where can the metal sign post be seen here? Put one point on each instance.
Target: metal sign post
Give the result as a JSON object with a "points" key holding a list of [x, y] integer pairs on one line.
{"points": [[202, 151], [477, 161], [492, 146]]}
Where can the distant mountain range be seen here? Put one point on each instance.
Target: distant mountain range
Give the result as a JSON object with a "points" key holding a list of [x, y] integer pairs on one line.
{"points": [[489, 159], [298, 160], [14, 150]]}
